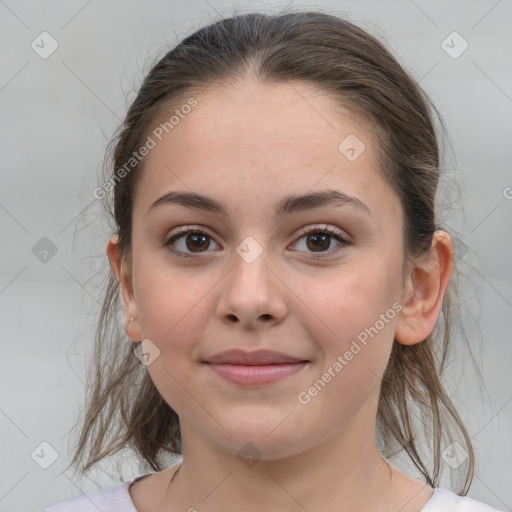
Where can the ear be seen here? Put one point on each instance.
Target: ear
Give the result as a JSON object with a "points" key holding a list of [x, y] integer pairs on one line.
{"points": [[121, 266], [424, 290]]}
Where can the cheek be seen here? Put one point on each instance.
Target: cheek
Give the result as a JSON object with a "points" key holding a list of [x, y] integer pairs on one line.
{"points": [[354, 321], [345, 303], [173, 311], [354, 327], [172, 307]]}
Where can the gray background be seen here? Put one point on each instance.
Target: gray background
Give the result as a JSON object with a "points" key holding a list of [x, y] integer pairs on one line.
{"points": [[56, 117]]}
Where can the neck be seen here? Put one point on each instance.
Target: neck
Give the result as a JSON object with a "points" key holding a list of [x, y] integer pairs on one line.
{"points": [[344, 472]]}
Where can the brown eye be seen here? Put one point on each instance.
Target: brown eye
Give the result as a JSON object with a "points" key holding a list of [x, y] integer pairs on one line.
{"points": [[319, 241], [195, 241], [188, 241]]}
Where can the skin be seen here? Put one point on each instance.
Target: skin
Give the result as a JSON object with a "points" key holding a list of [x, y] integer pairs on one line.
{"points": [[248, 146]]}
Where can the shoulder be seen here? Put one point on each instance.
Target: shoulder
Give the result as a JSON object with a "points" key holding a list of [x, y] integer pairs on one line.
{"points": [[444, 500], [112, 499]]}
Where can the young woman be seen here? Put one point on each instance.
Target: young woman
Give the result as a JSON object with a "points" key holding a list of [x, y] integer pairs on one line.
{"points": [[281, 269]]}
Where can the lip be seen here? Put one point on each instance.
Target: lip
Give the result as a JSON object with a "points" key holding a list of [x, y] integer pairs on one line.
{"points": [[256, 358], [254, 368], [256, 375]]}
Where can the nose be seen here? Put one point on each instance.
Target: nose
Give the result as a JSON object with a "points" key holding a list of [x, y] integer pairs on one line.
{"points": [[252, 293]]}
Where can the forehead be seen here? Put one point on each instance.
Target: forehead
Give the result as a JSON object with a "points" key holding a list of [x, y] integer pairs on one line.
{"points": [[252, 141]]}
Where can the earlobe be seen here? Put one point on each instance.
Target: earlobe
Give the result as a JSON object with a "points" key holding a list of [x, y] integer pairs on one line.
{"points": [[121, 270], [424, 291]]}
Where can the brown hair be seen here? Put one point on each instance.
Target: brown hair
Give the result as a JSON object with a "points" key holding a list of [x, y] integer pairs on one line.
{"points": [[124, 408]]}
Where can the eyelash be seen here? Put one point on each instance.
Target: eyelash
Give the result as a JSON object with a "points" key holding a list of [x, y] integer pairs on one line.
{"points": [[304, 232]]}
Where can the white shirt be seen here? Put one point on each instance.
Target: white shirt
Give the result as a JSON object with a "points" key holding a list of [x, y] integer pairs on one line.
{"points": [[117, 499]]}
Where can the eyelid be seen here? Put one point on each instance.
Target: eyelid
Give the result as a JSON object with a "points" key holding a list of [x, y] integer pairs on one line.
{"points": [[342, 239], [323, 227]]}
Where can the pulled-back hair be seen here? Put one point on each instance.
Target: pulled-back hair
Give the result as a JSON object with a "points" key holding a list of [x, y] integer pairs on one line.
{"points": [[124, 409]]}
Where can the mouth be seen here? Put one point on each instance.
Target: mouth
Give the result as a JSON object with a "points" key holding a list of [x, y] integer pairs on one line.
{"points": [[254, 368], [256, 375]]}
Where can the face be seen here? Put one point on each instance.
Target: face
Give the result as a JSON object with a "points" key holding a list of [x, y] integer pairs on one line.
{"points": [[312, 283]]}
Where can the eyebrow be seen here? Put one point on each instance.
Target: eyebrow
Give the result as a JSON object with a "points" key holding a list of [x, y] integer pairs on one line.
{"points": [[286, 206]]}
